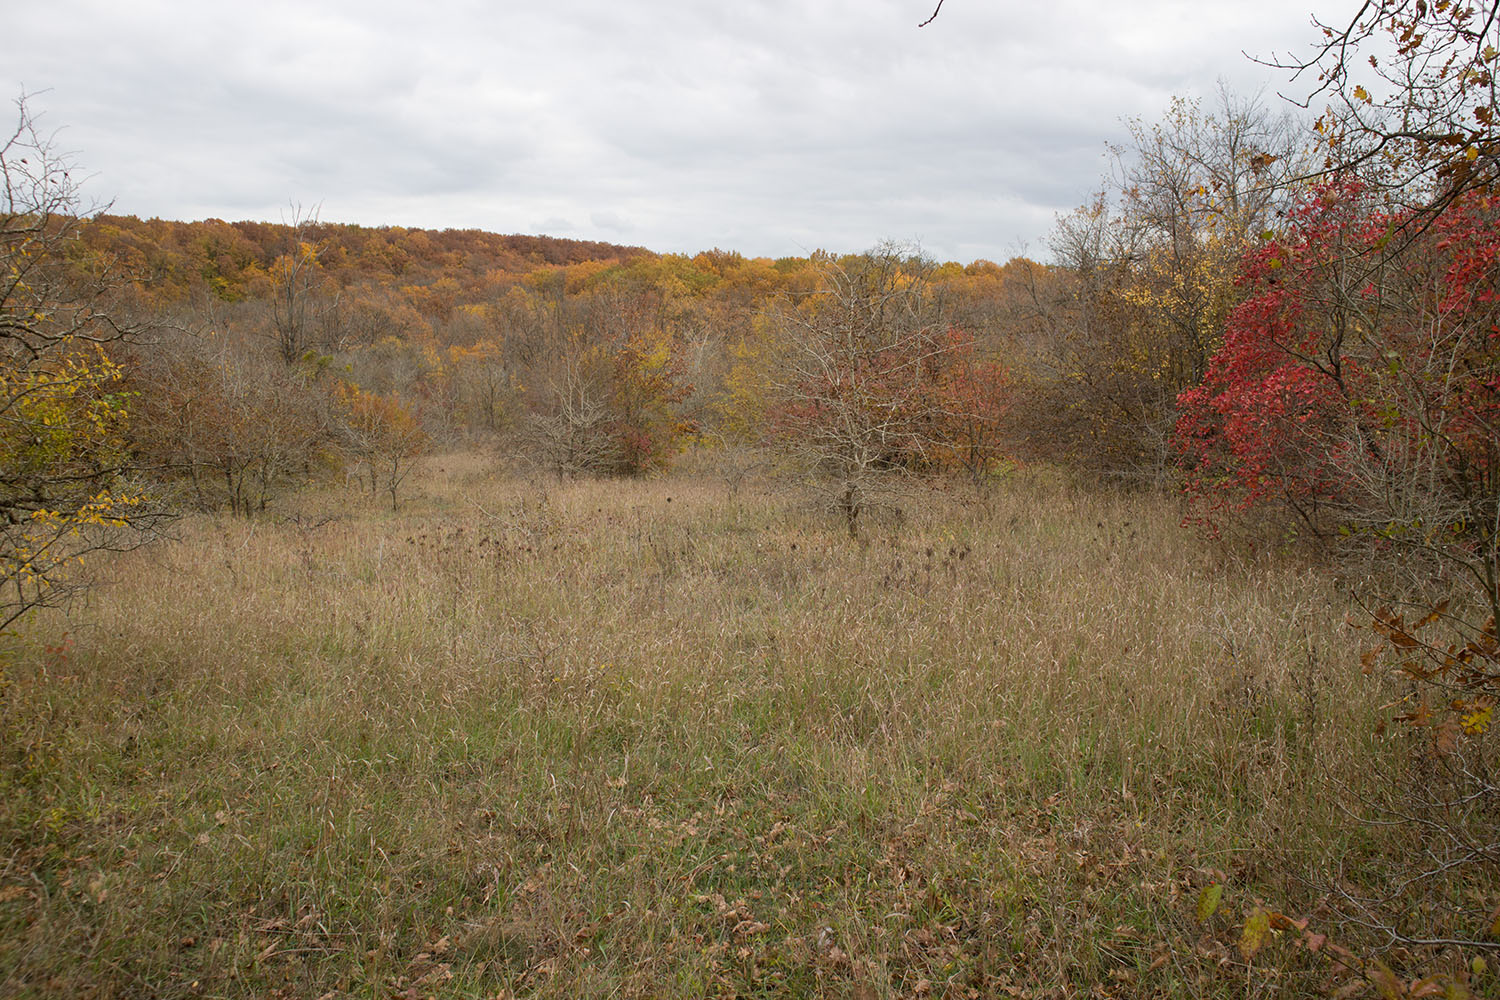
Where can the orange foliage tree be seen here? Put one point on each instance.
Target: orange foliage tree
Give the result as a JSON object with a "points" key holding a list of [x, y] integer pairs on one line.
{"points": [[383, 433], [232, 427]]}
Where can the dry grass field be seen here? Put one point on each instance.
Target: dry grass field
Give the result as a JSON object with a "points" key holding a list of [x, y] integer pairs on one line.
{"points": [[662, 739]]}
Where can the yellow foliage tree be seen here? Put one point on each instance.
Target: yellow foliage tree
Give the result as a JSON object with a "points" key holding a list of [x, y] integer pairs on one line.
{"points": [[64, 483], [1151, 276], [648, 390], [742, 406]]}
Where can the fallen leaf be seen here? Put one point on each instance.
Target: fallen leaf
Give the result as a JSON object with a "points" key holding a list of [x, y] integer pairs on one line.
{"points": [[1208, 901], [1257, 931]]}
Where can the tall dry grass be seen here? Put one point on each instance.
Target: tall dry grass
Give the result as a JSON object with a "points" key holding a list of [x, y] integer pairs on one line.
{"points": [[667, 739]]}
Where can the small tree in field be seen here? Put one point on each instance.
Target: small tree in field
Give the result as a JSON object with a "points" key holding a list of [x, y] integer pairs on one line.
{"points": [[859, 383], [569, 427], [233, 427], [976, 398], [65, 487], [613, 407], [385, 434]]}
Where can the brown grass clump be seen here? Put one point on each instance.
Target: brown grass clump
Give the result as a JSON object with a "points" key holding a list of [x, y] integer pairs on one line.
{"points": [[667, 739]]}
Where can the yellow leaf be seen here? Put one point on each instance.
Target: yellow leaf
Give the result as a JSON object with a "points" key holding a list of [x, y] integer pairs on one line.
{"points": [[1361, 94], [1208, 901], [1256, 933]]}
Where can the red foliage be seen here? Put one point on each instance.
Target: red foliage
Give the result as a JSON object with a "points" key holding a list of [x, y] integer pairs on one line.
{"points": [[975, 396], [1350, 349], [1359, 382]]}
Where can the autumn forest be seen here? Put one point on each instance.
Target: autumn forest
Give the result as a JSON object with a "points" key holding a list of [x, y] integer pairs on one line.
{"points": [[409, 612]]}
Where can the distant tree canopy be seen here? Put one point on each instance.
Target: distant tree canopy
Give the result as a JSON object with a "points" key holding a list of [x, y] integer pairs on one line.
{"points": [[586, 357]]}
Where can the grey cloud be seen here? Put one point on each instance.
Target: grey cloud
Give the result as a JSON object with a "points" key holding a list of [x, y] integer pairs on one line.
{"points": [[610, 222], [771, 128]]}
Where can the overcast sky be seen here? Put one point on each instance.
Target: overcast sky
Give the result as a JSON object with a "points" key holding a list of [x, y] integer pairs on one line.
{"points": [[764, 126]]}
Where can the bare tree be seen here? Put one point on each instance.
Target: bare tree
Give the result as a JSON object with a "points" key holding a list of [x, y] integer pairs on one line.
{"points": [[384, 435], [1411, 94], [571, 436], [1230, 167], [856, 386], [300, 308]]}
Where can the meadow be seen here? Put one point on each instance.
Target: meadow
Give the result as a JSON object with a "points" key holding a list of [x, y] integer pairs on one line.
{"points": [[682, 737]]}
